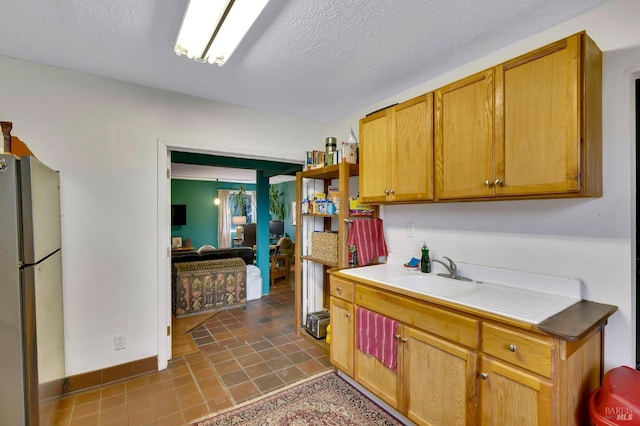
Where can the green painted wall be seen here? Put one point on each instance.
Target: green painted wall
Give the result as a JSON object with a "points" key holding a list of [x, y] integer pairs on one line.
{"points": [[202, 214], [289, 189]]}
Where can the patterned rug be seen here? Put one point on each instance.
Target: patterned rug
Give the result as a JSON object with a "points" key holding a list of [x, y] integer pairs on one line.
{"points": [[325, 399]]}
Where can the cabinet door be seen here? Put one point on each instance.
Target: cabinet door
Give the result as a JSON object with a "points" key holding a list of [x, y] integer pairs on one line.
{"points": [[510, 396], [342, 342], [375, 156], [412, 160], [538, 120], [378, 378], [439, 380], [464, 138]]}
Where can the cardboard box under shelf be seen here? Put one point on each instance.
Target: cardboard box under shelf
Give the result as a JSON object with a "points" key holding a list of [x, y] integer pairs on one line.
{"points": [[324, 246]]}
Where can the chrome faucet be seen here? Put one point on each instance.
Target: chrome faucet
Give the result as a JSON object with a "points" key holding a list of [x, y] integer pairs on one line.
{"points": [[452, 270]]}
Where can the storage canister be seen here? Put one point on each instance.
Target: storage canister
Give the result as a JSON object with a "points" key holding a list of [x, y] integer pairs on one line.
{"points": [[330, 148]]}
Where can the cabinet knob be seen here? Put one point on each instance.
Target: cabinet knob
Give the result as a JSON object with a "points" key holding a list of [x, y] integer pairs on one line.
{"points": [[392, 191], [398, 337], [338, 289], [386, 192], [512, 348], [484, 376], [488, 183], [348, 315], [405, 340], [498, 182]]}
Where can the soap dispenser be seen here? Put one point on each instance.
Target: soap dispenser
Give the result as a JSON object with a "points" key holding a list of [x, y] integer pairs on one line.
{"points": [[425, 262]]}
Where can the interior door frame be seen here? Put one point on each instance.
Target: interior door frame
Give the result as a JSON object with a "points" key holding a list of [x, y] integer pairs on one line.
{"points": [[637, 221], [164, 255], [164, 149]]}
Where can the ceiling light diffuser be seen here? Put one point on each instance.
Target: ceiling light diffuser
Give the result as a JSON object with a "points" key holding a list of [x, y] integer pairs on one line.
{"points": [[212, 29]]}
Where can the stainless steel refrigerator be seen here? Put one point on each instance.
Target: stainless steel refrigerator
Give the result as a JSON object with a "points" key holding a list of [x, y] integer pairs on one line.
{"points": [[32, 366]]}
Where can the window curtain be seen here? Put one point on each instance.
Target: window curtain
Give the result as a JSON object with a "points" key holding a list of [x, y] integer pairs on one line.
{"points": [[254, 201], [224, 219]]}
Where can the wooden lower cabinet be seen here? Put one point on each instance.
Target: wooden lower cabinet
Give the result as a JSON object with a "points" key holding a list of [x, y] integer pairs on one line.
{"points": [[461, 368], [511, 396], [435, 382], [379, 378], [529, 379], [342, 339], [439, 380]]}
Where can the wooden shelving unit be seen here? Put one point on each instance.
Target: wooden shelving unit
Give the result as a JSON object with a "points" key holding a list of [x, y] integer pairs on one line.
{"points": [[322, 177]]}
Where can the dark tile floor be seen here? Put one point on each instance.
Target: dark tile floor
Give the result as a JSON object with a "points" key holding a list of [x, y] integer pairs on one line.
{"points": [[244, 353]]}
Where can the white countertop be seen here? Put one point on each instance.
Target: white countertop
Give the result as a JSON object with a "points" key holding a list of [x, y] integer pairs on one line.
{"points": [[519, 295]]}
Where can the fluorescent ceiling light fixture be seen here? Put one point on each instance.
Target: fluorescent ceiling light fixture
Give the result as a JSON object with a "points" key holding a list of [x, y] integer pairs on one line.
{"points": [[212, 29]]}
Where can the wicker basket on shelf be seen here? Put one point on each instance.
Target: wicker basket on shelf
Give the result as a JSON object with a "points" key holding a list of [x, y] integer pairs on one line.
{"points": [[324, 246]]}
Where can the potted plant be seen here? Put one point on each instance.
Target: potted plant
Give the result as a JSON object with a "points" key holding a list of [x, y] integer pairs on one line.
{"points": [[276, 203], [239, 200]]}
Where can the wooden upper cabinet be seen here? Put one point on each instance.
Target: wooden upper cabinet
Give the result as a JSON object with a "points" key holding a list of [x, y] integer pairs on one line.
{"points": [[412, 160], [401, 139], [375, 155], [464, 138], [528, 128], [544, 141]]}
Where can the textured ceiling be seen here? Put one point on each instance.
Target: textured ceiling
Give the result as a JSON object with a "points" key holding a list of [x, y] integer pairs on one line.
{"points": [[319, 60]]}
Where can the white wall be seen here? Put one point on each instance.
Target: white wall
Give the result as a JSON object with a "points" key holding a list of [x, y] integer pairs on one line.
{"points": [[593, 239], [103, 136]]}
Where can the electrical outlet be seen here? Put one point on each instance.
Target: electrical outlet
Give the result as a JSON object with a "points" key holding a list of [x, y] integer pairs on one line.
{"points": [[120, 342], [411, 229]]}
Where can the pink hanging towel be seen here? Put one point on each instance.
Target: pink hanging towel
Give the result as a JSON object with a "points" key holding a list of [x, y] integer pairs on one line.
{"points": [[376, 335], [368, 237]]}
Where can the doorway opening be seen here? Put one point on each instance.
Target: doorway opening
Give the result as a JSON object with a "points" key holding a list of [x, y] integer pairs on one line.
{"points": [[202, 175]]}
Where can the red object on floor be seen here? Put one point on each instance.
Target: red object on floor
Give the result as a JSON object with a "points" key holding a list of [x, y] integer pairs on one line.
{"points": [[617, 401]]}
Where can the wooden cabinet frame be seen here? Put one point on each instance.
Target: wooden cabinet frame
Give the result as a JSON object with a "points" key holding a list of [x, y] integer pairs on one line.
{"points": [[343, 338], [532, 397], [397, 153], [439, 381], [528, 128], [548, 121], [501, 371], [464, 138]]}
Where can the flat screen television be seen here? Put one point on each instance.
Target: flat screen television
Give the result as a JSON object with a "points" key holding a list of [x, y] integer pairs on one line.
{"points": [[276, 227], [178, 214]]}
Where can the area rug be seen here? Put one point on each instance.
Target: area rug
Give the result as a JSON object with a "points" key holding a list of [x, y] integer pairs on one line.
{"points": [[324, 400]]}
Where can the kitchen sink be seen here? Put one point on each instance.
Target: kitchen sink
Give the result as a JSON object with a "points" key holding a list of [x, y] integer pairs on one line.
{"points": [[520, 295], [436, 286]]}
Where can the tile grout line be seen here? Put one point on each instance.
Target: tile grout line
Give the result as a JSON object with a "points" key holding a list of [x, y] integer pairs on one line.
{"points": [[195, 381], [236, 359]]}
